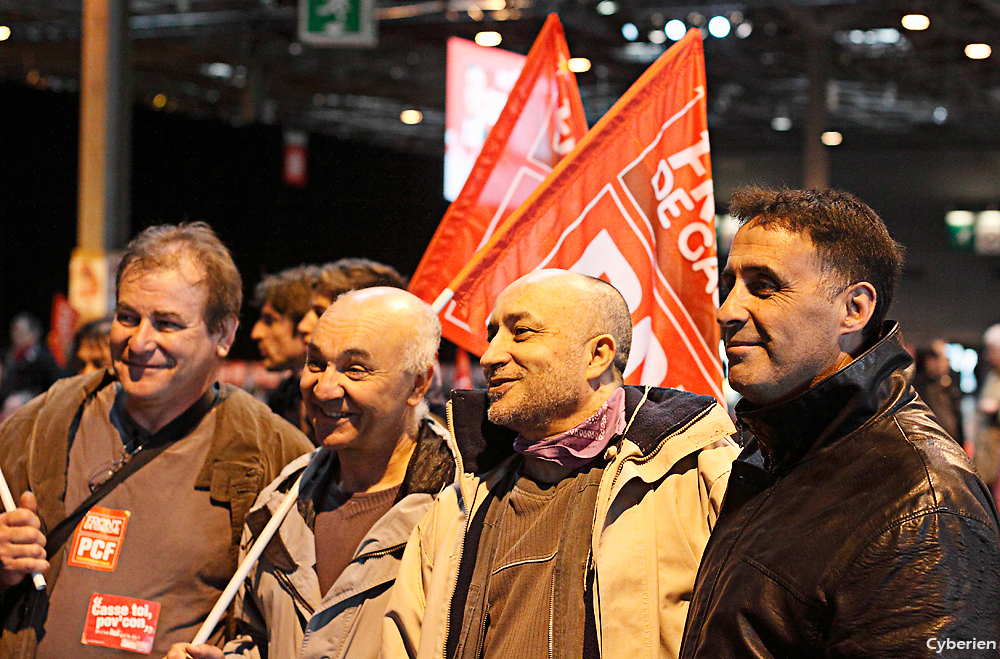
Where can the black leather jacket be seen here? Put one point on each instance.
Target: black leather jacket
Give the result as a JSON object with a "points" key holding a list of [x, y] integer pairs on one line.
{"points": [[853, 526]]}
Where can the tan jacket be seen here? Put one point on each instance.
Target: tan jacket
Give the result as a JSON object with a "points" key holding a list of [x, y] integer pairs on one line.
{"points": [[282, 592], [250, 446], [656, 505]]}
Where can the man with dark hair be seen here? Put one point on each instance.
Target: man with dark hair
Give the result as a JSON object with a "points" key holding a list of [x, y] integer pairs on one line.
{"points": [[91, 350], [341, 276], [324, 579], [577, 525], [853, 526], [138, 484], [283, 299]]}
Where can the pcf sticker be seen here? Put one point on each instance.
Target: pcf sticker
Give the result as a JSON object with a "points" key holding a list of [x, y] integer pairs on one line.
{"points": [[98, 539]]}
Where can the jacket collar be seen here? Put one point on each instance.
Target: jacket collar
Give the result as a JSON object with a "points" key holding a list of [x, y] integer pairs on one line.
{"points": [[875, 383], [483, 445]]}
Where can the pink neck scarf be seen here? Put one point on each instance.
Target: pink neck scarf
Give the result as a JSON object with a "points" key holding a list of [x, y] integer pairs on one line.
{"points": [[578, 446]]}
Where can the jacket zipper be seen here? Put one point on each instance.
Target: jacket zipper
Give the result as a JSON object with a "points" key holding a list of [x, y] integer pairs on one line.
{"points": [[468, 518], [293, 591]]}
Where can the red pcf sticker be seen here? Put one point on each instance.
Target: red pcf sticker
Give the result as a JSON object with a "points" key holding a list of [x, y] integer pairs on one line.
{"points": [[122, 623], [98, 539]]}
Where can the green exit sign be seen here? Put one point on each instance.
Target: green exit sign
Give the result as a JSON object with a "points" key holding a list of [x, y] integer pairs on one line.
{"points": [[337, 22]]}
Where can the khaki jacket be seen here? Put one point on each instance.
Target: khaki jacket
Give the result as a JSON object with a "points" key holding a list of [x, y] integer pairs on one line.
{"points": [[282, 592], [250, 446], [656, 505]]}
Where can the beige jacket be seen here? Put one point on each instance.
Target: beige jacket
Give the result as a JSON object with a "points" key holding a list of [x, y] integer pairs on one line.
{"points": [[656, 505]]}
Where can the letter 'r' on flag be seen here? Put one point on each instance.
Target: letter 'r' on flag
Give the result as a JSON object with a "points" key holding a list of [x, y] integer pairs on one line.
{"points": [[632, 204], [542, 121]]}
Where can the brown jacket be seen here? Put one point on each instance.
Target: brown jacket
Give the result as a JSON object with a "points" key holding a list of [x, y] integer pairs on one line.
{"points": [[250, 447]]}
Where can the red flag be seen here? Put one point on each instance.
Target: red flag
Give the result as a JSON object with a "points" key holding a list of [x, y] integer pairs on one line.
{"points": [[61, 328], [463, 371], [542, 121], [632, 204]]}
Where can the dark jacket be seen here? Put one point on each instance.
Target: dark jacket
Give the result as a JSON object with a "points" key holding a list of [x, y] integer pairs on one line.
{"points": [[853, 526], [249, 449]]}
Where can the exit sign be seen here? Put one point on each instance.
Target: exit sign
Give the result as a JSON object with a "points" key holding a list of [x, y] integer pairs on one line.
{"points": [[337, 22]]}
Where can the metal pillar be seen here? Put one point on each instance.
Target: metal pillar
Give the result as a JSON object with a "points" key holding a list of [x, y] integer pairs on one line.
{"points": [[815, 157]]}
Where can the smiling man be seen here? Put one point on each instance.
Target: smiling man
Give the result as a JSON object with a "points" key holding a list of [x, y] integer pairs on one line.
{"points": [[853, 525], [152, 471], [325, 578], [577, 525]]}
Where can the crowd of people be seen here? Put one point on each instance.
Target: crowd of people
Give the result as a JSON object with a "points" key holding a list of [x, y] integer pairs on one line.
{"points": [[559, 512]]}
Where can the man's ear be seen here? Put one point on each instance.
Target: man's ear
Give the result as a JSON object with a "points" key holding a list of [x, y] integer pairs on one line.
{"points": [[226, 335], [602, 355], [421, 383], [859, 306]]}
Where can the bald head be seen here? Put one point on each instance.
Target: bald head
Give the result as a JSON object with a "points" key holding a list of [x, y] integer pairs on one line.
{"points": [[595, 306], [395, 315]]}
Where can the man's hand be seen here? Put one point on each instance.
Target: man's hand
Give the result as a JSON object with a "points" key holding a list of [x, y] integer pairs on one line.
{"points": [[22, 545], [186, 651]]}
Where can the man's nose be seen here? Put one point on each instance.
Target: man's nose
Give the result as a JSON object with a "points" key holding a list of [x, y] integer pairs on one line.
{"points": [[143, 338], [732, 311], [328, 385], [257, 332], [494, 356]]}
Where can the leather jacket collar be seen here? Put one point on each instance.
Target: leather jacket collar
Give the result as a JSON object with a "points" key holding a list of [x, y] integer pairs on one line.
{"points": [[875, 383]]}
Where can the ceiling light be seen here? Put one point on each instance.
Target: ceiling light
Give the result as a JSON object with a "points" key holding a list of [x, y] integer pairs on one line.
{"points": [[744, 29], [718, 27], [159, 101], [657, 36], [940, 115], [218, 70], [489, 39], [475, 13], [4, 33], [960, 218], [916, 22], [781, 124], [978, 51], [607, 7], [579, 64], [295, 48], [411, 117], [492, 5], [675, 30], [630, 31], [831, 138]]}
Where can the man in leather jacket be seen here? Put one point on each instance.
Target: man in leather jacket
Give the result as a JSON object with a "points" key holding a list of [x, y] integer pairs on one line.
{"points": [[853, 526]]}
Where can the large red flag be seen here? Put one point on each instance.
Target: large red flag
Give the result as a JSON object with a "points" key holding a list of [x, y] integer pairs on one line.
{"points": [[632, 204], [542, 121]]}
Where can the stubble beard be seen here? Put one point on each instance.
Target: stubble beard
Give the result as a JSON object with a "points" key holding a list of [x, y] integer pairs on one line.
{"points": [[534, 402]]}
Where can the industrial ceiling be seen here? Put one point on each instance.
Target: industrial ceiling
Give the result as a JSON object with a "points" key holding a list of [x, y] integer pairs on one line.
{"points": [[240, 61]]}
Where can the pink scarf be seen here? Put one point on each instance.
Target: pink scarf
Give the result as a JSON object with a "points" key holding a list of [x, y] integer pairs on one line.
{"points": [[578, 446]]}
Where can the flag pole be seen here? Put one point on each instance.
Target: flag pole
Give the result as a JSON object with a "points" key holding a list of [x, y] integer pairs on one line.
{"points": [[442, 299], [244, 569], [10, 506]]}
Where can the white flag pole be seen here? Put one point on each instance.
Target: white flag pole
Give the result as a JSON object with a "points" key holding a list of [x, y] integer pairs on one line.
{"points": [[10, 506], [244, 569], [442, 300]]}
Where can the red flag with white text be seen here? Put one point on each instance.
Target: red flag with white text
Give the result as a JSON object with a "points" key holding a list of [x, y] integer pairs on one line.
{"points": [[542, 121], [632, 204]]}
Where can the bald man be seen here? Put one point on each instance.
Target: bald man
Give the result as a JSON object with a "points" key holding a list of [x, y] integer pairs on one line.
{"points": [[577, 525], [321, 586]]}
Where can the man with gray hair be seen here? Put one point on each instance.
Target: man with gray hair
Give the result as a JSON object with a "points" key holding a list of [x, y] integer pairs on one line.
{"points": [[324, 578]]}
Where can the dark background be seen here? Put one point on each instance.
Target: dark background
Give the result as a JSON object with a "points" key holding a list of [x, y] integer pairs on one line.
{"points": [[384, 204]]}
